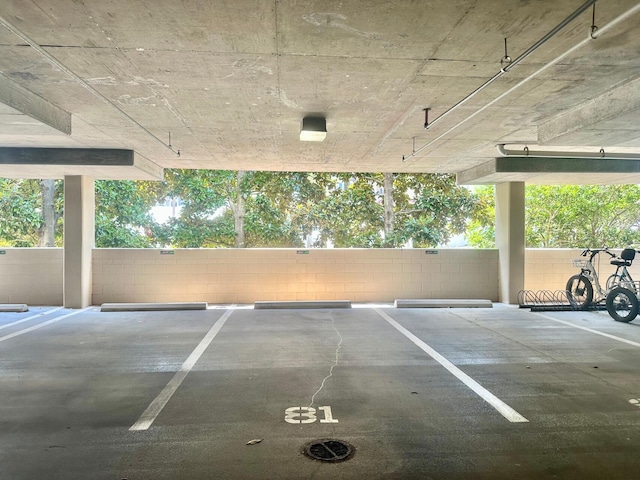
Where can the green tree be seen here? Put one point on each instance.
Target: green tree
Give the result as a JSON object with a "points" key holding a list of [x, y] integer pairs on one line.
{"points": [[25, 204], [206, 218], [431, 208], [481, 230], [122, 217], [582, 216], [32, 213], [51, 211], [239, 209], [389, 210], [569, 216], [348, 215], [266, 209], [278, 206]]}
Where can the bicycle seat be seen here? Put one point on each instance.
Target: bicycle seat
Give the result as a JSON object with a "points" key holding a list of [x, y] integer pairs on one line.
{"points": [[626, 258]]}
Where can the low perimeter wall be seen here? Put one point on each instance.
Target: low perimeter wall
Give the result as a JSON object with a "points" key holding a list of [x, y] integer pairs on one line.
{"points": [[249, 275], [31, 275], [34, 275]]}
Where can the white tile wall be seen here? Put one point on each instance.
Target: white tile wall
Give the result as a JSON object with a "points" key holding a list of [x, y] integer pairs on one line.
{"points": [[31, 275], [34, 275], [249, 275]]}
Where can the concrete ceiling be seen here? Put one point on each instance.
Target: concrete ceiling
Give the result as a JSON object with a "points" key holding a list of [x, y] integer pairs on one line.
{"points": [[227, 83]]}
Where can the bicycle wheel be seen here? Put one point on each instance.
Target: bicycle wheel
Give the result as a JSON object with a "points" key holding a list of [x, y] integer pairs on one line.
{"points": [[622, 304], [579, 291], [624, 280], [613, 281]]}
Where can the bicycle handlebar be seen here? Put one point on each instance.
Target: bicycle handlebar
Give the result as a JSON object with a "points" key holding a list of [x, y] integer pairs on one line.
{"points": [[595, 251]]}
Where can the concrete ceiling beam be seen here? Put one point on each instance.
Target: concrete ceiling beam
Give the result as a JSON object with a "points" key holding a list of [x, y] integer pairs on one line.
{"points": [[601, 113], [556, 171], [34, 106], [98, 163]]}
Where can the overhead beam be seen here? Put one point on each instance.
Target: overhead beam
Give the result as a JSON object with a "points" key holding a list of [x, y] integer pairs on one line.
{"points": [[98, 163], [600, 113], [33, 105], [65, 156], [556, 170]]}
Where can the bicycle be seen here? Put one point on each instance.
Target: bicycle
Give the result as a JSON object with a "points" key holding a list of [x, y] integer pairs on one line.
{"points": [[622, 300], [581, 287]]}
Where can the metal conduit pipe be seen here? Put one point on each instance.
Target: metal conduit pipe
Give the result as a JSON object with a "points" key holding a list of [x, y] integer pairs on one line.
{"points": [[508, 67], [593, 35], [503, 151]]}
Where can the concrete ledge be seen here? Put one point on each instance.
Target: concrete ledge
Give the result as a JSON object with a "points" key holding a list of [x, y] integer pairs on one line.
{"points": [[443, 303], [152, 307], [14, 307], [303, 304]]}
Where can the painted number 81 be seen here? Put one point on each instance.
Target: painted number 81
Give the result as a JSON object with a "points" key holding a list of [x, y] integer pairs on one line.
{"points": [[308, 415]]}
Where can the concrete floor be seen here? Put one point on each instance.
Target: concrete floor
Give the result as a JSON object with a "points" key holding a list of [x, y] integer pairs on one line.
{"points": [[71, 390]]}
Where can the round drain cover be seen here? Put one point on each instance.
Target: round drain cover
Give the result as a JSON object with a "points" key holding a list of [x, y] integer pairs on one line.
{"points": [[329, 450]]}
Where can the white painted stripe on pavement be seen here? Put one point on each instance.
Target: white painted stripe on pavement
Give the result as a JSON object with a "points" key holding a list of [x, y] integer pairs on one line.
{"points": [[505, 410], [41, 314], [591, 330], [155, 407], [43, 324]]}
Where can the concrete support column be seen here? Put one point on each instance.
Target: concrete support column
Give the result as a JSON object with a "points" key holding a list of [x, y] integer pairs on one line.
{"points": [[79, 239], [510, 239]]}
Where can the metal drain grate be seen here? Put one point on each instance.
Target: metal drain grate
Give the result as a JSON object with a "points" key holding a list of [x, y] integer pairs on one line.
{"points": [[329, 450]]}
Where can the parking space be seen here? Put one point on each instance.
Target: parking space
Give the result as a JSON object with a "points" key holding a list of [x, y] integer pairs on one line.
{"points": [[419, 393]]}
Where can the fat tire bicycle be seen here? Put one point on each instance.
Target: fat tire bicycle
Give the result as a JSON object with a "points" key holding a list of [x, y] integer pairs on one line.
{"points": [[584, 289]]}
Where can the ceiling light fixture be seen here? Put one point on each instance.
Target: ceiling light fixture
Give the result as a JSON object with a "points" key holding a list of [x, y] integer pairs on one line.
{"points": [[314, 129]]}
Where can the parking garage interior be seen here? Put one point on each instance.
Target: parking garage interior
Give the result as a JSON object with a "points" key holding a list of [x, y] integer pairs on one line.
{"points": [[500, 93]]}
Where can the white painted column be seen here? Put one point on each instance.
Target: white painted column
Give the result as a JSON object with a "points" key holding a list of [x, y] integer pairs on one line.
{"points": [[79, 240], [510, 239]]}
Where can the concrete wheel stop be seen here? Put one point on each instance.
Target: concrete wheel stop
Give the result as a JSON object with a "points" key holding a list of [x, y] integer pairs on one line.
{"points": [[14, 307], [443, 303], [152, 307], [302, 304]]}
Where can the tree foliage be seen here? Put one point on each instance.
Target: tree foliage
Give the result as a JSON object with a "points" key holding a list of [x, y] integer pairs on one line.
{"points": [[276, 214], [240, 209], [22, 217], [267, 209], [582, 216], [481, 230], [122, 217], [569, 216], [203, 194], [428, 209], [348, 215], [439, 210]]}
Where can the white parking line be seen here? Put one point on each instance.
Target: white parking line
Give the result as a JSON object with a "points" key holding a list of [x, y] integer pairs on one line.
{"points": [[43, 324], [41, 314], [505, 410], [591, 330], [155, 407]]}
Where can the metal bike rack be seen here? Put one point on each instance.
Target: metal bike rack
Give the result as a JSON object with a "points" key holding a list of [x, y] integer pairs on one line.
{"points": [[550, 300]]}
